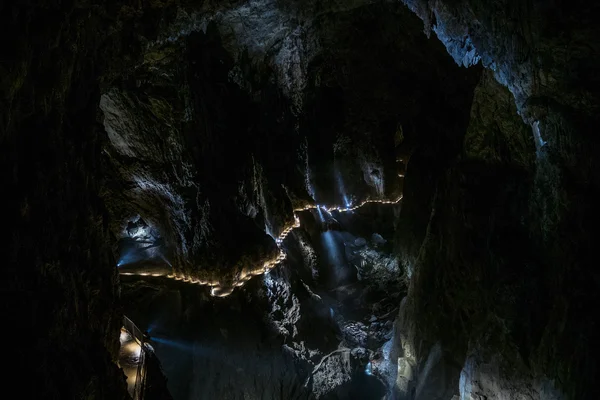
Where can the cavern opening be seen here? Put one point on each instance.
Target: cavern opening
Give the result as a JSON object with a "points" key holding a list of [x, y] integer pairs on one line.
{"points": [[275, 199]]}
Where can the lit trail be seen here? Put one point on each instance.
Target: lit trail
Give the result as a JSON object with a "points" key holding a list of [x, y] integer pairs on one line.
{"points": [[132, 357], [218, 289]]}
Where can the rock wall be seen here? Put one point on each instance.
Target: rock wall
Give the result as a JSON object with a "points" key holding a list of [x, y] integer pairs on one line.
{"points": [[59, 289], [290, 333], [504, 267]]}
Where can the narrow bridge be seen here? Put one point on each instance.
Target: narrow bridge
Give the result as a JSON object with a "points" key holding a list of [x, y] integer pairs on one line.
{"points": [[132, 358], [220, 289]]}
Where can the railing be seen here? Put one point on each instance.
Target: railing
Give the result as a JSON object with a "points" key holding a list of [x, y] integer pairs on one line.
{"points": [[219, 290], [140, 379]]}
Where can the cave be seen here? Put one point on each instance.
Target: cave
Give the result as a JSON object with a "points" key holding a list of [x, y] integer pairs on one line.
{"points": [[284, 199]]}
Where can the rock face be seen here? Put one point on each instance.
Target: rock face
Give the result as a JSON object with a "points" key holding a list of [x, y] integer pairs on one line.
{"points": [[59, 286], [517, 276], [288, 334], [212, 146], [182, 135]]}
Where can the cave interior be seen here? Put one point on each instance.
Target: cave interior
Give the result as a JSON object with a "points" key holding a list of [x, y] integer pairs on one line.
{"points": [[317, 199]]}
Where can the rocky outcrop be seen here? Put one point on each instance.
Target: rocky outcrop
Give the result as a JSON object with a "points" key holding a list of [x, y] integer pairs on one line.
{"points": [[500, 259], [496, 134], [497, 377], [60, 287]]}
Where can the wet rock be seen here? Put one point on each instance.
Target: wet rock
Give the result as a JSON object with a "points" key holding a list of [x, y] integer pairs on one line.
{"points": [[333, 371], [359, 242], [377, 239], [532, 167], [355, 334]]}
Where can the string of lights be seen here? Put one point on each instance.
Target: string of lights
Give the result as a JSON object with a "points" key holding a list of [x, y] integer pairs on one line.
{"points": [[219, 289]]}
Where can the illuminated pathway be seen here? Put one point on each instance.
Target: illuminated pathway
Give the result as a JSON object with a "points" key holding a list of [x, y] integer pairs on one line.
{"points": [[219, 290], [132, 358]]}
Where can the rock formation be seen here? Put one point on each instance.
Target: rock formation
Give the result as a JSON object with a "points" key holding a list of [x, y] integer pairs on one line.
{"points": [[188, 138]]}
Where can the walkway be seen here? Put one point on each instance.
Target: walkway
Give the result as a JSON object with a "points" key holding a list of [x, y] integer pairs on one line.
{"points": [[132, 357], [218, 288]]}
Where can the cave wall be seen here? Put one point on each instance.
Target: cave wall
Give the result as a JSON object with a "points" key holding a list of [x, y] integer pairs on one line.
{"points": [[59, 292], [505, 266]]}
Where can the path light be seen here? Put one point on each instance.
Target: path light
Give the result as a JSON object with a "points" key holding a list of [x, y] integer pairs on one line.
{"points": [[217, 290]]}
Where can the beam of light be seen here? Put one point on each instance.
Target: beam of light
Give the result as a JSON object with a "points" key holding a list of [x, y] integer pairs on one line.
{"points": [[307, 173], [188, 347], [369, 368], [269, 232], [342, 188], [334, 254], [332, 248], [321, 218], [152, 327], [212, 351], [167, 261], [141, 250], [220, 289], [191, 347]]}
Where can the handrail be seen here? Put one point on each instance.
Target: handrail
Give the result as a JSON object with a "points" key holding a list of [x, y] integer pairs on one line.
{"points": [[219, 290], [140, 378]]}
